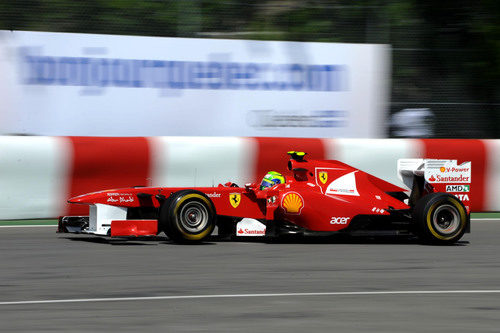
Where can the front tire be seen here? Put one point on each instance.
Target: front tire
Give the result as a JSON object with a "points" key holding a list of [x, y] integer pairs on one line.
{"points": [[440, 218], [188, 216]]}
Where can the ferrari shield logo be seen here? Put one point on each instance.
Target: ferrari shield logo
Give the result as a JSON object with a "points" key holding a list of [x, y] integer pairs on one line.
{"points": [[323, 177], [235, 199]]}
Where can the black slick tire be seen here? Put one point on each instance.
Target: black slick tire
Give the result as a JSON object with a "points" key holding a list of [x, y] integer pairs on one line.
{"points": [[187, 216], [440, 218]]}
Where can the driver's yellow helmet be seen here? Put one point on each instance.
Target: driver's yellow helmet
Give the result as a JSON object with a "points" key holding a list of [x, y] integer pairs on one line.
{"points": [[271, 178]]}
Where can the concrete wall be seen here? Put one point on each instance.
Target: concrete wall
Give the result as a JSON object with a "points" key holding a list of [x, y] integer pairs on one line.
{"points": [[38, 174]]}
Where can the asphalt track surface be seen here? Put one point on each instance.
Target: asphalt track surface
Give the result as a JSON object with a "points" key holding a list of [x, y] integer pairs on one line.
{"points": [[81, 283]]}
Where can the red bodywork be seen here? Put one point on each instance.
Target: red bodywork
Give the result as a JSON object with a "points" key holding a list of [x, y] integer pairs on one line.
{"points": [[320, 196]]}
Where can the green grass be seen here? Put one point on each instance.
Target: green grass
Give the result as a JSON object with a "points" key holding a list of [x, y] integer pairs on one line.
{"points": [[29, 222], [54, 222], [485, 215]]}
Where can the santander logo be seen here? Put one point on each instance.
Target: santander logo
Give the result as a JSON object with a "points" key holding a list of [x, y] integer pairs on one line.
{"points": [[250, 227], [251, 232]]}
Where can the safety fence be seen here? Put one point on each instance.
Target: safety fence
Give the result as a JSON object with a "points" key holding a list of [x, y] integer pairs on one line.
{"points": [[39, 174]]}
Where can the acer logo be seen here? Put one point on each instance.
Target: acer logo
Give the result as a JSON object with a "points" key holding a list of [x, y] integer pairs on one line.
{"points": [[339, 220]]}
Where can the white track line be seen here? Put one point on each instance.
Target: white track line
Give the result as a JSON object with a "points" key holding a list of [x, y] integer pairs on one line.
{"points": [[340, 293]]}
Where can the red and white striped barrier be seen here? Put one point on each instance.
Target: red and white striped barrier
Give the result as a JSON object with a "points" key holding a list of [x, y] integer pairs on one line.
{"points": [[38, 174]]}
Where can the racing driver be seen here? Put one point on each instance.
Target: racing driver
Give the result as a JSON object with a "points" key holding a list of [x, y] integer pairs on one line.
{"points": [[270, 179]]}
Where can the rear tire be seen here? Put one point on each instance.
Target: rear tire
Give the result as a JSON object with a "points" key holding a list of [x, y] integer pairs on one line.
{"points": [[440, 218], [187, 216]]}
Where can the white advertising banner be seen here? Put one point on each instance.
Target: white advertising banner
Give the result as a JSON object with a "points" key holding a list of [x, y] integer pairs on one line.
{"points": [[104, 85]]}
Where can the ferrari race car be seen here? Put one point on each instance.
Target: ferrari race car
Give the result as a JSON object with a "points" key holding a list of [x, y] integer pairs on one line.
{"points": [[318, 197]]}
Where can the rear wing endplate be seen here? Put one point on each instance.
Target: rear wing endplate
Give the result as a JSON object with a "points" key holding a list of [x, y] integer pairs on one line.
{"points": [[439, 175]]}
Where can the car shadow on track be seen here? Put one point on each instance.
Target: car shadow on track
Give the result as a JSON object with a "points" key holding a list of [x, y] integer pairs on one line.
{"points": [[339, 239], [214, 240], [109, 241], [135, 241]]}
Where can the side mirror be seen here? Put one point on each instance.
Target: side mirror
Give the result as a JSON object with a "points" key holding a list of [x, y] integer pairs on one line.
{"points": [[250, 187]]}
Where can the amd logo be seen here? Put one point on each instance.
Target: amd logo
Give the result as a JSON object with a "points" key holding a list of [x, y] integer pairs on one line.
{"points": [[457, 188]]}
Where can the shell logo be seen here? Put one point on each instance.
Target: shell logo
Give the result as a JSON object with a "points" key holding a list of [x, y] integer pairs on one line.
{"points": [[292, 203]]}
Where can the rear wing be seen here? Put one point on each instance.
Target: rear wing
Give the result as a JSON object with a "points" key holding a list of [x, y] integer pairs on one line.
{"points": [[423, 176]]}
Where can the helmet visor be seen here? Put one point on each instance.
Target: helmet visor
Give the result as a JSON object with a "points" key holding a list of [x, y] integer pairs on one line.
{"points": [[268, 183]]}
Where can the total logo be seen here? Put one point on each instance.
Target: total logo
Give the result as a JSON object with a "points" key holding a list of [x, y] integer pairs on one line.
{"points": [[339, 220], [462, 197], [457, 188]]}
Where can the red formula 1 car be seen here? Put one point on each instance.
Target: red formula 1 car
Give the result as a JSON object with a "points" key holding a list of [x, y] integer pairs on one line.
{"points": [[322, 197]]}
